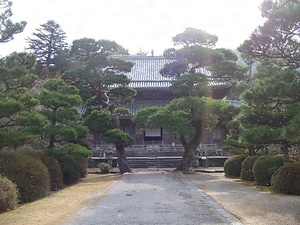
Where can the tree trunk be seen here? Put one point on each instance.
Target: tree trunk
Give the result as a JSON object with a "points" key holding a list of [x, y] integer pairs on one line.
{"points": [[285, 150], [51, 141], [190, 149], [121, 160]]}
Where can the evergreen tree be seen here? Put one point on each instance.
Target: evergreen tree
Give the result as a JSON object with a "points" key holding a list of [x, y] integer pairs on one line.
{"points": [[59, 101], [278, 37], [102, 83], [48, 42], [8, 29], [18, 119]]}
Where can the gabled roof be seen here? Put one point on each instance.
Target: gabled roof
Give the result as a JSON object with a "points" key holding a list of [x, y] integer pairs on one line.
{"points": [[145, 72]]}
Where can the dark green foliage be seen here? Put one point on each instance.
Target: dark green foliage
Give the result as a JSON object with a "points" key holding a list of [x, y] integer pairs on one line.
{"points": [[233, 166], [286, 179], [71, 169], [8, 194], [247, 165], [30, 175], [79, 154], [83, 161], [18, 118], [53, 166], [75, 149], [59, 101], [264, 168], [99, 121], [48, 42], [118, 137], [8, 29]]}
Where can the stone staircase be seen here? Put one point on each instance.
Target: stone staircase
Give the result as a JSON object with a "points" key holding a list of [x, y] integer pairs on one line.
{"points": [[153, 162]]}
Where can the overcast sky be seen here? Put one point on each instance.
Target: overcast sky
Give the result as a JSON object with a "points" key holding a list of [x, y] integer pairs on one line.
{"points": [[138, 24]]}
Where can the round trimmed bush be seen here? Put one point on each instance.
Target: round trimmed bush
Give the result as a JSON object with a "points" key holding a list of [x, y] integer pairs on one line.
{"points": [[9, 194], [264, 167], [233, 166], [104, 167], [286, 179], [54, 169], [29, 174], [247, 165]]}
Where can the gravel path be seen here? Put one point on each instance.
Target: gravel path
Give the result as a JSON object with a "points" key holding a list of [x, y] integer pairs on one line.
{"points": [[251, 205], [153, 197]]}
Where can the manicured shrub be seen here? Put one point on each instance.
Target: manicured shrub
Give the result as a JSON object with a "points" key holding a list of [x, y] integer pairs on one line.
{"points": [[75, 149], [286, 179], [247, 165], [104, 167], [71, 169], [233, 166], [264, 167], [54, 169], [8, 194], [29, 174], [79, 154]]}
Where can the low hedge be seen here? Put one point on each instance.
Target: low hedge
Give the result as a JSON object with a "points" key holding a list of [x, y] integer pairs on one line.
{"points": [[9, 194], [264, 167], [233, 166], [79, 153], [29, 174], [54, 169], [71, 169], [286, 179], [247, 165]]}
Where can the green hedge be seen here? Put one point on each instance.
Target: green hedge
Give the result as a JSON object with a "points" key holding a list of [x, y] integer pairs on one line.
{"points": [[54, 169], [71, 169], [9, 194], [233, 166], [247, 166], [264, 167], [29, 174], [286, 179]]}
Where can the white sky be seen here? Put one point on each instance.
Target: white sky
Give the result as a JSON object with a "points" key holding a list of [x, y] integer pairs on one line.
{"points": [[138, 24]]}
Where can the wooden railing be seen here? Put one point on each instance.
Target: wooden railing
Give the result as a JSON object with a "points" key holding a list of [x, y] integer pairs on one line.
{"points": [[108, 150]]}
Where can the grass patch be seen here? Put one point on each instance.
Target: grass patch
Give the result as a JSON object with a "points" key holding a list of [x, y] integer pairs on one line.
{"points": [[60, 204]]}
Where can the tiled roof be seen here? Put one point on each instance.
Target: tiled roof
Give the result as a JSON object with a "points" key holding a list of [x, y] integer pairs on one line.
{"points": [[145, 72]]}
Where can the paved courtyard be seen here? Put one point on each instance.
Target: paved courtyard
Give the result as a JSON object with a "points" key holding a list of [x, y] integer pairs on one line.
{"points": [[153, 197]]}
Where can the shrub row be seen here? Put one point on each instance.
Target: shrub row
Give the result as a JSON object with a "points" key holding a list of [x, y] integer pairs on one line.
{"points": [[32, 174], [266, 171]]}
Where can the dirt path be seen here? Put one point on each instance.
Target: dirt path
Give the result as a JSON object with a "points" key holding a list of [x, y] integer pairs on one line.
{"points": [[251, 205]]}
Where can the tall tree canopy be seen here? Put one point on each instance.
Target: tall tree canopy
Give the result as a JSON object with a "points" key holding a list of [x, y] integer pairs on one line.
{"points": [[48, 42], [8, 29], [18, 118], [59, 101], [278, 37], [99, 76], [196, 55], [270, 114], [103, 85], [188, 118]]}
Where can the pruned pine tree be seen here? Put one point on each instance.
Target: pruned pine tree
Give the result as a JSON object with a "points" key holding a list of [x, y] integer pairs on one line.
{"points": [[103, 85], [8, 28], [278, 37], [59, 101], [19, 121]]}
